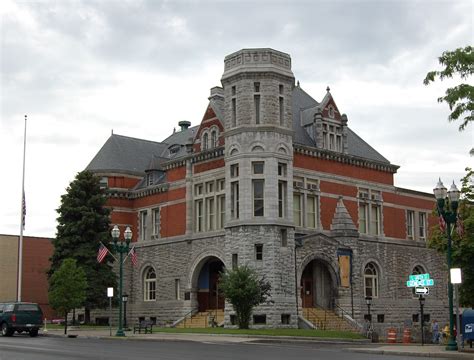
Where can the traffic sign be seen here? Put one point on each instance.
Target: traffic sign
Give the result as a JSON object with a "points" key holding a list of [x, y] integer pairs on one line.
{"points": [[419, 277], [420, 283], [422, 290]]}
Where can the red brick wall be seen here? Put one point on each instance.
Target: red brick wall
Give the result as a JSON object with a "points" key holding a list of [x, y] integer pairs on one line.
{"points": [[173, 220], [176, 174], [328, 206], [156, 199], [406, 200], [36, 254], [215, 164], [394, 222], [333, 167], [122, 182], [337, 189]]}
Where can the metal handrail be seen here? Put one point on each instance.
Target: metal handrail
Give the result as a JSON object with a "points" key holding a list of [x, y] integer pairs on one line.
{"points": [[189, 315], [344, 312]]}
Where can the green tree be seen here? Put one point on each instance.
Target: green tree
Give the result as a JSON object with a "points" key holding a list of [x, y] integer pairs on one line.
{"points": [[83, 223], [244, 290], [461, 97], [67, 288], [462, 246]]}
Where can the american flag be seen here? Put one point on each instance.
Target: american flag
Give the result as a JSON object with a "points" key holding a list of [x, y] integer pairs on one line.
{"points": [[133, 256], [102, 253], [23, 211], [442, 224]]}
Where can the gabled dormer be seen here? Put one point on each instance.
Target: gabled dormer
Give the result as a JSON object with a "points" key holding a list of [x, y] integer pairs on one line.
{"points": [[327, 126]]}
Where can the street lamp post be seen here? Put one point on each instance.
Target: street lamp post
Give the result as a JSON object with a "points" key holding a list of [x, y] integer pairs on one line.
{"points": [[422, 322], [447, 202], [125, 300], [368, 300], [121, 248]]}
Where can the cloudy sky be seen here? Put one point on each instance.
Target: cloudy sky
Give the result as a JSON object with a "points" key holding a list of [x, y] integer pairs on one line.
{"points": [[79, 69]]}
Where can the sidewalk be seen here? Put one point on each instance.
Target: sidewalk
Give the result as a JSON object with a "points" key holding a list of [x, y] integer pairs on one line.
{"points": [[364, 346], [433, 351]]}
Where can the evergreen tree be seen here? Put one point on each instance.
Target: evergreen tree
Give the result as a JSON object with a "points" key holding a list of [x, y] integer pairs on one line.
{"points": [[83, 223], [67, 288], [462, 246], [244, 290]]}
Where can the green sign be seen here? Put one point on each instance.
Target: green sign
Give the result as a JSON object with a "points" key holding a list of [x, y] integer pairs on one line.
{"points": [[420, 283], [419, 277]]}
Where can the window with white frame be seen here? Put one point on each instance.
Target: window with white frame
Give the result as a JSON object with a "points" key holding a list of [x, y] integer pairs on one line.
{"points": [[210, 213], [177, 289], [422, 225], [234, 200], [199, 215], [371, 280], [297, 209], [149, 285], [213, 138], [311, 211], [282, 194], [410, 224], [205, 141], [156, 222], [370, 212], [209, 205], [332, 137], [258, 186], [143, 223]]}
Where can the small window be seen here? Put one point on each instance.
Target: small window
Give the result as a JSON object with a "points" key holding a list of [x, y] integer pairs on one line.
{"points": [[153, 320], [187, 295], [258, 167], [259, 252], [233, 90], [368, 317], [415, 318], [256, 86], [210, 187], [282, 169], [177, 289], [426, 318], [259, 319], [141, 319], [281, 89], [198, 189], [285, 318], [234, 170], [380, 318], [235, 261], [284, 237]]}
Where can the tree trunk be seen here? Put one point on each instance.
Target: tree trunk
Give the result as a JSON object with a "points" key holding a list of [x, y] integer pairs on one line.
{"points": [[65, 323], [73, 317], [87, 315]]}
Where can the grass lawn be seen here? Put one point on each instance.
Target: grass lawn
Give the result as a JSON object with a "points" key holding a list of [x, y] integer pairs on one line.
{"points": [[268, 332]]}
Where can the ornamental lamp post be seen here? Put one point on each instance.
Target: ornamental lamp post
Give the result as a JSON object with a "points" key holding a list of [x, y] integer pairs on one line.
{"points": [[121, 248], [447, 203], [368, 301]]}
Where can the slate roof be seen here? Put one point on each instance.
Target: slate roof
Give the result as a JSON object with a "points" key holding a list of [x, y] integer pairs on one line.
{"points": [[304, 109], [123, 154]]}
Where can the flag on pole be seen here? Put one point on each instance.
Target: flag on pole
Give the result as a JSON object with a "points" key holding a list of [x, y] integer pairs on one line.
{"points": [[133, 256], [102, 253], [23, 211], [442, 224]]}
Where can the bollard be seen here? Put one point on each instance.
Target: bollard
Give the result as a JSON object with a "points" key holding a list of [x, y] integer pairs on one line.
{"points": [[392, 336], [407, 336]]}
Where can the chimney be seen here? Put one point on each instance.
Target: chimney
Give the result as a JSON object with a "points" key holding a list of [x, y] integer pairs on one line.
{"points": [[217, 93], [184, 124]]}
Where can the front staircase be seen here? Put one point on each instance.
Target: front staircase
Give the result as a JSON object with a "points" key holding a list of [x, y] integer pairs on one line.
{"points": [[202, 319], [324, 319]]}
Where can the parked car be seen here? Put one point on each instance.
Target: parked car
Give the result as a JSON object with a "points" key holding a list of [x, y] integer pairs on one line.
{"points": [[19, 317]]}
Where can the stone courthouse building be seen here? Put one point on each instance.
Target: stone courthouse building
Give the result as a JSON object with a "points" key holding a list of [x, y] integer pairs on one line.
{"points": [[276, 180]]}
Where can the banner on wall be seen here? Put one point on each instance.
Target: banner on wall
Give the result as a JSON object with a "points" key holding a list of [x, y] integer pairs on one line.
{"points": [[344, 259]]}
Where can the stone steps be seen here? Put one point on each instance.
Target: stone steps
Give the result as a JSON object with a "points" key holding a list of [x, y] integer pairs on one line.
{"points": [[201, 319], [327, 320]]}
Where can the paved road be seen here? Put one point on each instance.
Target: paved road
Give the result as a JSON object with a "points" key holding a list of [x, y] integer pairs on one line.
{"points": [[50, 348]]}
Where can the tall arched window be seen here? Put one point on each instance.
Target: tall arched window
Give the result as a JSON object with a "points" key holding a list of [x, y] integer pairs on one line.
{"points": [[371, 280], [213, 138], [149, 285], [205, 141]]}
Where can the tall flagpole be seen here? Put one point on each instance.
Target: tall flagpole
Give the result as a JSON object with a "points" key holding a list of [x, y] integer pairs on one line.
{"points": [[22, 221]]}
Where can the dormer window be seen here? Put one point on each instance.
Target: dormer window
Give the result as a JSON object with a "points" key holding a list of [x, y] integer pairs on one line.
{"points": [[213, 138], [149, 179], [205, 139], [174, 149], [332, 137]]}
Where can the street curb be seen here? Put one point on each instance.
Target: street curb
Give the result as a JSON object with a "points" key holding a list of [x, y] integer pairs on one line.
{"points": [[449, 355]]}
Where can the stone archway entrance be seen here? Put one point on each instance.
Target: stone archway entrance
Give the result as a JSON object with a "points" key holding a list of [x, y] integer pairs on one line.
{"points": [[208, 295], [317, 288]]}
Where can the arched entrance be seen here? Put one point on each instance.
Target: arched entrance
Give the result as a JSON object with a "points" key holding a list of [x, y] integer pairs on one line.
{"points": [[208, 295], [317, 288]]}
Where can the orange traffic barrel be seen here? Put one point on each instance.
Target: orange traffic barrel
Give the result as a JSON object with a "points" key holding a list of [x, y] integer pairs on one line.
{"points": [[392, 336], [406, 336]]}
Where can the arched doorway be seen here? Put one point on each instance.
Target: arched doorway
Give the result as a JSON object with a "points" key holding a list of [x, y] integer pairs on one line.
{"points": [[208, 295], [317, 288]]}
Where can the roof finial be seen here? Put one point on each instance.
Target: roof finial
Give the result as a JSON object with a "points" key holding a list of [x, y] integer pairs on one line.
{"points": [[298, 83], [327, 89], [112, 132]]}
